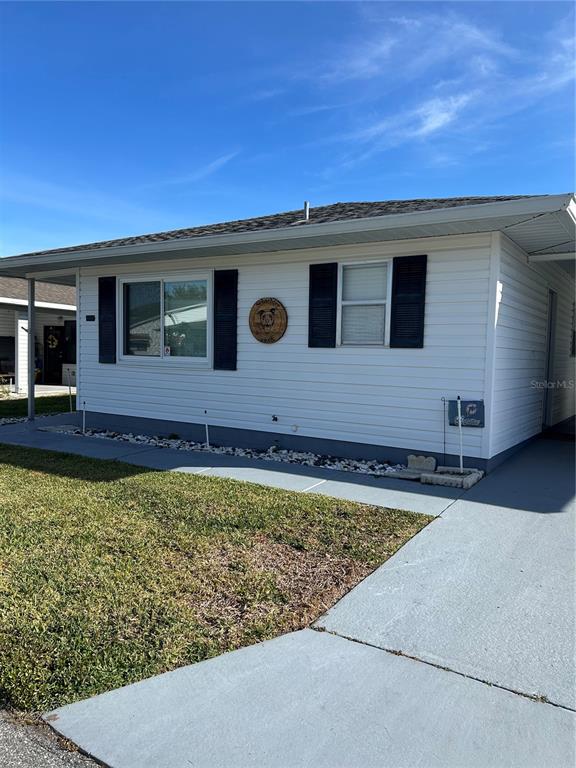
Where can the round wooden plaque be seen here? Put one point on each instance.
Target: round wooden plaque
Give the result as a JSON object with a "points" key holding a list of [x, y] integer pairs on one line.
{"points": [[268, 320]]}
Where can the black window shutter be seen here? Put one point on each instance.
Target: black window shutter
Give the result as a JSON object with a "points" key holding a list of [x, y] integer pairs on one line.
{"points": [[225, 319], [408, 301], [107, 319], [322, 305]]}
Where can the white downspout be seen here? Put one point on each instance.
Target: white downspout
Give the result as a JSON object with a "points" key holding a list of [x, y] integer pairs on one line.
{"points": [[459, 403]]}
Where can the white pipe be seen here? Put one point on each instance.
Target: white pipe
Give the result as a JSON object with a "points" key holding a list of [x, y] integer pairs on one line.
{"points": [[70, 390], [207, 436], [31, 347], [459, 404], [84, 417]]}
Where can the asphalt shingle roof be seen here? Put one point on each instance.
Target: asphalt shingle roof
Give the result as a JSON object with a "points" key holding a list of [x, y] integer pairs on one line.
{"points": [[319, 215], [15, 288]]}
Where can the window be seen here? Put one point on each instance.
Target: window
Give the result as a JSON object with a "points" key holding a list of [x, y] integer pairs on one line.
{"points": [[363, 304], [166, 318], [142, 319], [186, 318]]}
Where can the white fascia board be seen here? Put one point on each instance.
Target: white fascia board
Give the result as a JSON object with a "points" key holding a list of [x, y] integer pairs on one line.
{"points": [[552, 257], [40, 304], [523, 207]]}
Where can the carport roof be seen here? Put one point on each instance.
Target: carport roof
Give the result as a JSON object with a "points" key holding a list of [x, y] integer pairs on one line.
{"points": [[13, 288]]}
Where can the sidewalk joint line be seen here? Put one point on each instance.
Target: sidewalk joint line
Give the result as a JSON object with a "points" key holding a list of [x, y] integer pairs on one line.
{"points": [[394, 652], [305, 490], [446, 508]]}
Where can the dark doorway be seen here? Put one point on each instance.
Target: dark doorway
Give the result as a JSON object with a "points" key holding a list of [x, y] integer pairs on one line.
{"points": [[7, 359], [69, 341], [53, 353]]}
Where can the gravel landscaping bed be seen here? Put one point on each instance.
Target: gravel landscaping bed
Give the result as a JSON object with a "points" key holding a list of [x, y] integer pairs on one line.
{"points": [[17, 419], [304, 458]]}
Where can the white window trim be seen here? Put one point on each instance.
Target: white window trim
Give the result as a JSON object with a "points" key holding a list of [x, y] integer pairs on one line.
{"points": [[376, 302], [161, 361]]}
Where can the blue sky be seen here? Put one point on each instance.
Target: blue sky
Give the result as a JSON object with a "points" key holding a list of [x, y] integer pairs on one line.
{"points": [[124, 118]]}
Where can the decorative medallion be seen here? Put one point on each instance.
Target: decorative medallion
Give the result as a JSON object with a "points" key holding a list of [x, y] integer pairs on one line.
{"points": [[268, 320]]}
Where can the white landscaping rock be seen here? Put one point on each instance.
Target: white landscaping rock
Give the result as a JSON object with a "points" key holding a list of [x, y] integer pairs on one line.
{"points": [[305, 458]]}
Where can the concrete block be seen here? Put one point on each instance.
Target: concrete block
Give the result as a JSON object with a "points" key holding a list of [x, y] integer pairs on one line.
{"points": [[421, 463], [458, 471], [452, 480], [403, 474]]}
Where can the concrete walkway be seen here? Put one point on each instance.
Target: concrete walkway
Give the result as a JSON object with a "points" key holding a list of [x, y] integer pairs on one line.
{"points": [[458, 651], [487, 590], [430, 661], [385, 492]]}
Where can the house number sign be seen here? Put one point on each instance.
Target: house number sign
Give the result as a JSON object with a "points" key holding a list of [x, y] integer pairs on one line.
{"points": [[268, 320], [472, 413]]}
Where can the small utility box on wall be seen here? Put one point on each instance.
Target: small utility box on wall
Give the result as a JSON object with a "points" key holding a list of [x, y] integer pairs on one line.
{"points": [[472, 413], [69, 375]]}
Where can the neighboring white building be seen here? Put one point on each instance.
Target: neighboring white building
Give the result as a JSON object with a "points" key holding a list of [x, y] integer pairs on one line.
{"points": [[394, 309], [55, 333]]}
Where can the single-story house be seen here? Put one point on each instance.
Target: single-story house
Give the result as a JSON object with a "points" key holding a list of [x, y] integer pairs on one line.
{"points": [[345, 329], [55, 334]]}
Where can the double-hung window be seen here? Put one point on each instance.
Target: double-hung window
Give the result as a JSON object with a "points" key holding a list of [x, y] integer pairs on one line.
{"points": [[364, 299], [166, 318]]}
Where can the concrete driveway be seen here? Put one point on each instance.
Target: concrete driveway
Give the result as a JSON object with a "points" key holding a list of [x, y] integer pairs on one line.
{"points": [[459, 651]]}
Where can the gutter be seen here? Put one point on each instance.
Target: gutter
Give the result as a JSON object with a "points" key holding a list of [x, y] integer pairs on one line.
{"points": [[523, 207]]}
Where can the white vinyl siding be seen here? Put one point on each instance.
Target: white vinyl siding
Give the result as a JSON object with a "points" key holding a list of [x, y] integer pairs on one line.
{"points": [[352, 393], [521, 348]]}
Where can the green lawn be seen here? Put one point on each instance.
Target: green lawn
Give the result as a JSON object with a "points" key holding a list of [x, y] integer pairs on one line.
{"points": [[51, 404], [110, 573]]}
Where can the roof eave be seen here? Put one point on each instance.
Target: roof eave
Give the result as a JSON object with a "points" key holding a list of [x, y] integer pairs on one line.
{"points": [[533, 206]]}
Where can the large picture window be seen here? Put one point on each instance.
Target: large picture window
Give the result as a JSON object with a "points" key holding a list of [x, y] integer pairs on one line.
{"points": [[166, 318], [364, 303]]}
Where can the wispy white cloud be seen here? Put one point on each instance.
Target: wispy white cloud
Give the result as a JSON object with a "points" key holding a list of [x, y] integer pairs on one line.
{"points": [[264, 94], [58, 214], [200, 173], [80, 201], [359, 62], [400, 48], [483, 79], [414, 124], [436, 114]]}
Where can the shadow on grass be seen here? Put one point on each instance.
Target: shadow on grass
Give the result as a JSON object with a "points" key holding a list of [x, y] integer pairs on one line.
{"points": [[540, 478], [51, 404], [68, 465]]}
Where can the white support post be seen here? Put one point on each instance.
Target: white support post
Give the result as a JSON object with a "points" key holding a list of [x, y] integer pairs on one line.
{"points": [[21, 351], [31, 347]]}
